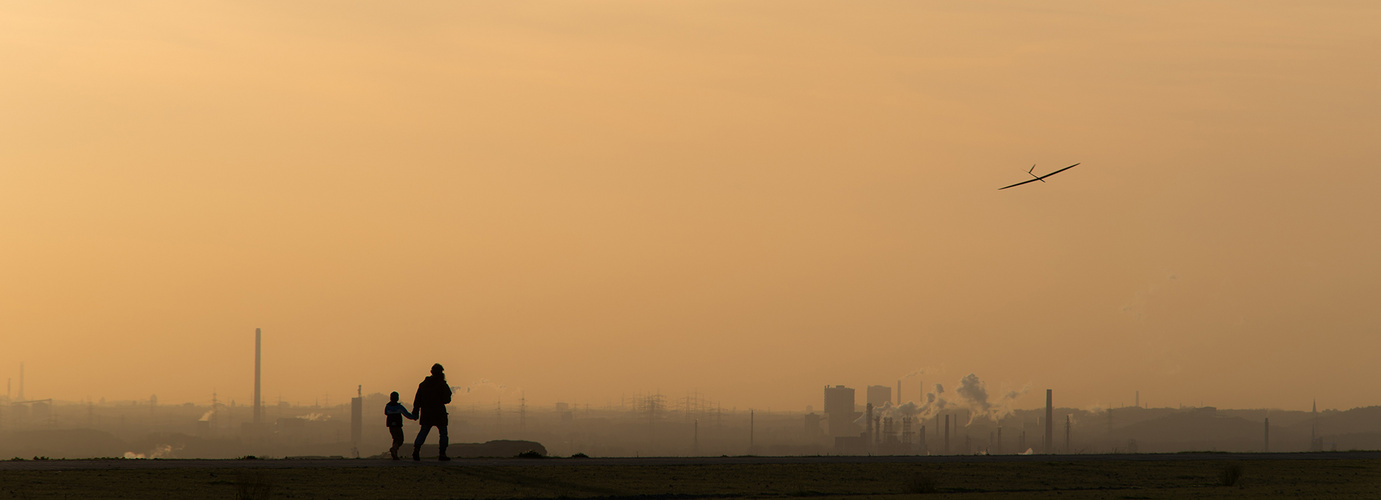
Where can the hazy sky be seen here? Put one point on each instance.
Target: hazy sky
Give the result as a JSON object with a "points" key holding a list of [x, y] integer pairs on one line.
{"points": [[578, 200]]}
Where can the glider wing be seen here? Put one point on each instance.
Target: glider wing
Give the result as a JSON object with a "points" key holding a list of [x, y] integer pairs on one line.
{"points": [[1019, 183], [1060, 170]]}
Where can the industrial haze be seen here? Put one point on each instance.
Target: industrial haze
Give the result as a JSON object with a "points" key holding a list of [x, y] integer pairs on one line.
{"points": [[587, 202], [663, 425]]}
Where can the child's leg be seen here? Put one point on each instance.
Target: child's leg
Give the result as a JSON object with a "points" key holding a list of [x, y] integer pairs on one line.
{"points": [[397, 433]]}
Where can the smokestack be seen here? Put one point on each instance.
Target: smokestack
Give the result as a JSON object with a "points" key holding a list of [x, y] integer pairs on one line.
{"points": [[946, 434], [1268, 435], [1314, 429], [868, 424], [258, 344], [1067, 433], [898, 401], [1049, 420], [1138, 399], [925, 448], [21, 382], [357, 420]]}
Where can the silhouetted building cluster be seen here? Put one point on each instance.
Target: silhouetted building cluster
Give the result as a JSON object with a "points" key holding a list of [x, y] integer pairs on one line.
{"points": [[658, 425]]}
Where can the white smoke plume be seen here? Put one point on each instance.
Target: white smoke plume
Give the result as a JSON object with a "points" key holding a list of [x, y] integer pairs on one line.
{"points": [[908, 409], [974, 391], [884, 411], [488, 389], [934, 402], [1096, 408], [972, 395], [159, 451]]}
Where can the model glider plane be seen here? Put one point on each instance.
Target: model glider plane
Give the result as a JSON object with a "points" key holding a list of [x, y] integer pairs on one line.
{"points": [[1041, 178]]}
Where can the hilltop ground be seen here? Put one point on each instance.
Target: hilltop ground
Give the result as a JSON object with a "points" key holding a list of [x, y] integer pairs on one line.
{"points": [[1311, 475]]}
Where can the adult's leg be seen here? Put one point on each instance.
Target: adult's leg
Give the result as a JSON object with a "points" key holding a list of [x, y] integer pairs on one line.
{"points": [[417, 443], [421, 436], [441, 434]]}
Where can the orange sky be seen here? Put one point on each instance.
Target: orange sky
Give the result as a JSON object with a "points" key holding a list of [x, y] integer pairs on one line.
{"points": [[580, 200]]}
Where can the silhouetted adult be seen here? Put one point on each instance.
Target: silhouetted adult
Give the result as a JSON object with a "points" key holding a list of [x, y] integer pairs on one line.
{"points": [[433, 394]]}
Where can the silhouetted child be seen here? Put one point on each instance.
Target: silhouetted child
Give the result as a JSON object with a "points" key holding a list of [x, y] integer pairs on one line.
{"points": [[394, 412]]}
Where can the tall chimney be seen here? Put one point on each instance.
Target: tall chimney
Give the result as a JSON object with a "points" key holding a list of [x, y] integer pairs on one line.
{"points": [[898, 392], [357, 420], [946, 434], [1067, 433], [1138, 399], [1049, 419], [258, 345], [21, 382], [1314, 428], [1268, 435], [925, 448], [868, 424]]}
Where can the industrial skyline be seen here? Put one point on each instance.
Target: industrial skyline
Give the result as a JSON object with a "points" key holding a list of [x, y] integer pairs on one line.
{"points": [[654, 424], [969, 392], [936, 422]]}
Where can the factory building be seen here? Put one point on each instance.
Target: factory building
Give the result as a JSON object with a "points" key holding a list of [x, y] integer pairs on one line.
{"points": [[839, 411], [879, 395]]}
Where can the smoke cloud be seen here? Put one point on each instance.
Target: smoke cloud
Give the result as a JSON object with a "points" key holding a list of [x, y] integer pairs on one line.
{"points": [[971, 394], [973, 390], [974, 395], [488, 389], [159, 451]]}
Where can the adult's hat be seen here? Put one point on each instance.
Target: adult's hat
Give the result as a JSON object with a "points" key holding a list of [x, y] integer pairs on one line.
{"points": [[437, 368]]}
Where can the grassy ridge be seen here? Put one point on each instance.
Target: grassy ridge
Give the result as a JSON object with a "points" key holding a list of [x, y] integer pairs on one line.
{"points": [[1063, 480]]}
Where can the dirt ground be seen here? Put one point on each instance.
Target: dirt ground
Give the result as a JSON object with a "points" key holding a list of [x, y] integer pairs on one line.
{"points": [[1337, 475]]}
